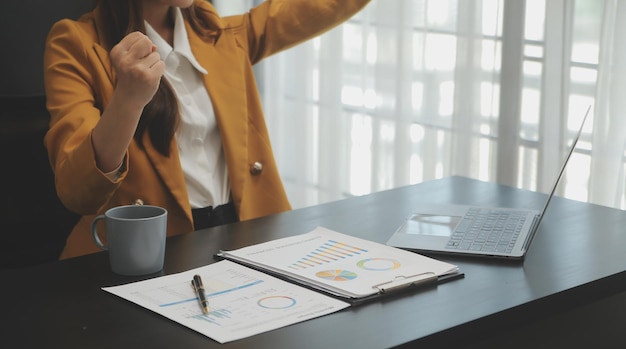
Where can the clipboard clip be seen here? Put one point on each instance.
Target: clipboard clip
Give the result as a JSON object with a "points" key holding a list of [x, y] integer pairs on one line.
{"points": [[402, 281]]}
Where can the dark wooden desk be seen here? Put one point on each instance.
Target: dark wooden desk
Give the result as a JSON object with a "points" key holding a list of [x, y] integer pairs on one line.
{"points": [[577, 258]]}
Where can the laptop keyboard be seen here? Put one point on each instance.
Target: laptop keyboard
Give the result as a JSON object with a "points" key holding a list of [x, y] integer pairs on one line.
{"points": [[487, 230]]}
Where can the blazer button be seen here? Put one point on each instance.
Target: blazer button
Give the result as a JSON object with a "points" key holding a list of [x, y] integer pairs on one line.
{"points": [[256, 168], [138, 202]]}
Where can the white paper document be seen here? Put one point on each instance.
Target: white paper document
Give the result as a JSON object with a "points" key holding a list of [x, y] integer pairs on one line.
{"points": [[242, 301], [340, 264]]}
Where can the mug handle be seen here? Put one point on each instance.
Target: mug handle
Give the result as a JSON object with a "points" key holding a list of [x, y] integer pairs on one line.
{"points": [[94, 232]]}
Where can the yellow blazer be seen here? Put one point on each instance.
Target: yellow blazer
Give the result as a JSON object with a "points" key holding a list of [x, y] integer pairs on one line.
{"points": [[79, 82]]}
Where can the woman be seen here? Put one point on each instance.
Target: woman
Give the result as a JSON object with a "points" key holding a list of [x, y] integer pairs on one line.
{"points": [[155, 102]]}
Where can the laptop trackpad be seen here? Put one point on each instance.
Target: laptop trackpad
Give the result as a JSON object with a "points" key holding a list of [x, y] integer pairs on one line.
{"points": [[425, 231], [431, 224]]}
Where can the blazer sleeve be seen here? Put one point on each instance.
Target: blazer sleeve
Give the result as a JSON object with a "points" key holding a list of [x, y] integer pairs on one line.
{"points": [[276, 25], [72, 75]]}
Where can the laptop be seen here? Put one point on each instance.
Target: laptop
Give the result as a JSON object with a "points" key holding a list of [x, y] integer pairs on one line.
{"points": [[475, 230]]}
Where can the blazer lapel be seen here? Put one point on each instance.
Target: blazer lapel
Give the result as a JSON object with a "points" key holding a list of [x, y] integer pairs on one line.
{"points": [[170, 171], [225, 82]]}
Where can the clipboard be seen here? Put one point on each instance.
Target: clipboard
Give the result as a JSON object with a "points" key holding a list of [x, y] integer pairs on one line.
{"points": [[385, 290], [349, 268]]}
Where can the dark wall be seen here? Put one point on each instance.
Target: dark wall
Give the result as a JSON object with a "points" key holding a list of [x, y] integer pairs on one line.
{"points": [[33, 222], [23, 29]]}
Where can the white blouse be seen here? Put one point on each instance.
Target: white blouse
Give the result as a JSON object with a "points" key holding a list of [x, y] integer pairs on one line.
{"points": [[198, 136]]}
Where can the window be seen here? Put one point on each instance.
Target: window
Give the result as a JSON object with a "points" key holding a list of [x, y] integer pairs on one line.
{"points": [[413, 90]]}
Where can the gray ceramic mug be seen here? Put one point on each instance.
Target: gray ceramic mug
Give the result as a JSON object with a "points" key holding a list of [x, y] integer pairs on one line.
{"points": [[135, 237]]}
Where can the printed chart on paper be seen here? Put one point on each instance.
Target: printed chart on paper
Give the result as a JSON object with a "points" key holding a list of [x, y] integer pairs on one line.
{"points": [[340, 264], [242, 301]]}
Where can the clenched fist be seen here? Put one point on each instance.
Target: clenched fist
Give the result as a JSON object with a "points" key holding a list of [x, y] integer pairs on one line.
{"points": [[138, 67]]}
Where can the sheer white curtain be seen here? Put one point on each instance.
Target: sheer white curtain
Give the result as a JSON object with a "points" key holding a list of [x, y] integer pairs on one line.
{"points": [[413, 90], [608, 139]]}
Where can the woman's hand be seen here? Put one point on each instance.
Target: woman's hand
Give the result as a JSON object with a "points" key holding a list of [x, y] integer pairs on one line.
{"points": [[138, 67]]}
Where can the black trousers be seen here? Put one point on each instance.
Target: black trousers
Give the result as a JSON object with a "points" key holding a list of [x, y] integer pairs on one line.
{"points": [[207, 217]]}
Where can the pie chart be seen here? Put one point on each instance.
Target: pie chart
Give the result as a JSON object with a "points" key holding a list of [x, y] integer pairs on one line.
{"points": [[378, 264], [276, 302], [336, 275]]}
